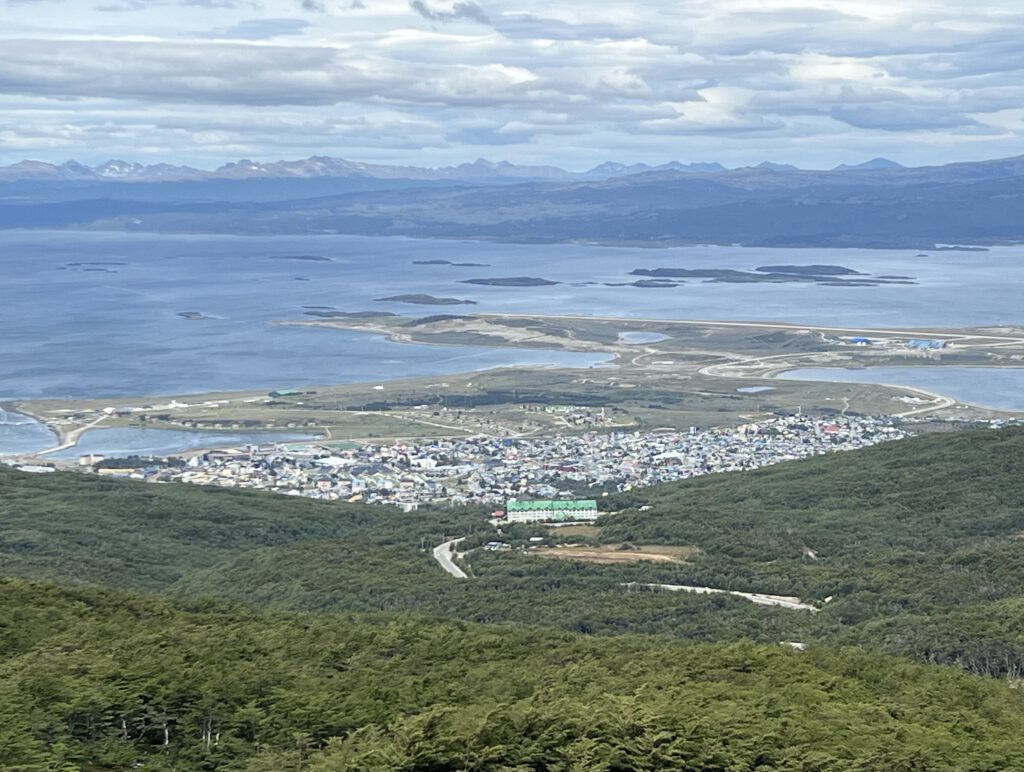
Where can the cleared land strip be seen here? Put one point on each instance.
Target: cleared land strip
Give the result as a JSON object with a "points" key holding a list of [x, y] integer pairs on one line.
{"points": [[912, 333], [783, 601]]}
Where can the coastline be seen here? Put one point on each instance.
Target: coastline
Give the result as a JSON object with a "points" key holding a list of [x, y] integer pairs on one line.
{"points": [[16, 407], [937, 396], [691, 365]]}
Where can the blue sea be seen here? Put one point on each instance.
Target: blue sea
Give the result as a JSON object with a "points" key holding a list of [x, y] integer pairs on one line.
{"points": [[992, 387], [98, 314]]}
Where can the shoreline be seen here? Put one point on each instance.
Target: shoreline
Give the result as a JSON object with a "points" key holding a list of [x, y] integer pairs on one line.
{"points": [[16, 407], [937, 396], [614, 356], [940, 247]]}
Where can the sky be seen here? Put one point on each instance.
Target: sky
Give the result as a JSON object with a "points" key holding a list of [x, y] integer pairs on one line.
{"points": [[571, 83]]}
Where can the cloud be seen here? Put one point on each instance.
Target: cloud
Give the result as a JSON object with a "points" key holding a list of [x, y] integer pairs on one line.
{"points": [[141, 5], [728, 80], [214, 73], [488, 136], [215, 4], [901, 117], [524, 25], [262, 29], [463, 9]]}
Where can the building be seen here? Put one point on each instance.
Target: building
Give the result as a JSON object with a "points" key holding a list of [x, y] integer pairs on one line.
{"points": [[923, 344], [550, 511]]}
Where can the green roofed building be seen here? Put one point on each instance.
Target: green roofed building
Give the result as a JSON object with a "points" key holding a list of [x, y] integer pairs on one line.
{"points": [[550, 511]]}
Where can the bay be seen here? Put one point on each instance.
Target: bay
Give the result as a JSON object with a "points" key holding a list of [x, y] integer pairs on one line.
{"points": [[22, 434], [991, 387], [89, 313], [165, 442]]}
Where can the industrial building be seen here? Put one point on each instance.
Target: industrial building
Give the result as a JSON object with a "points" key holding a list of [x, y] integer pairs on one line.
{"points": [[550, 511]]}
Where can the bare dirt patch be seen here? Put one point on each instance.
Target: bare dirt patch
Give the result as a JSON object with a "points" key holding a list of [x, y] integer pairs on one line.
{"points": [[577, 530]]}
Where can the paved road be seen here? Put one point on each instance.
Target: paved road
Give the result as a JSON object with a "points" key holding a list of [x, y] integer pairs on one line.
{"points": [[783, 601], [443, 555], [72, 437]]}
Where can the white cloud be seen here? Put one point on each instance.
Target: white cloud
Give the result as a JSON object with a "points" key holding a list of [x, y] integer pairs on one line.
{"points": [[440, 81]]}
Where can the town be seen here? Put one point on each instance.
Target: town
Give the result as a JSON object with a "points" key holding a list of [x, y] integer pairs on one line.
{"points": [[481, 470]]}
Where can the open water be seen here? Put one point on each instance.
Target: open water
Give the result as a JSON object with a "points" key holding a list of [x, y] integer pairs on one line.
{"points": [[89, 314], [21, 434], [991, 387], [166, 442]]}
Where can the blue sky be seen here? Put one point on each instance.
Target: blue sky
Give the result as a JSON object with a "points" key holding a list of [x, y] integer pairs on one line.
{"points": [[572, 83]]}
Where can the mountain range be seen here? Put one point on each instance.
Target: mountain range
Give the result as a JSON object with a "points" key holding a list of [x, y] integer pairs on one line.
{"points": [[324, 166], [875, 204]]}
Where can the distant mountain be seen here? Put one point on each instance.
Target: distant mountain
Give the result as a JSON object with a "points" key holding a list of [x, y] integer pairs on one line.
{"points": [[114, 170], [773, 167], [326, 167], [876, 205], [611, 169], [875, 164]]}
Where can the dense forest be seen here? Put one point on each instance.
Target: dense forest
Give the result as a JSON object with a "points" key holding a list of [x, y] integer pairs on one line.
{"points": [[909, 550], [98, 680]]}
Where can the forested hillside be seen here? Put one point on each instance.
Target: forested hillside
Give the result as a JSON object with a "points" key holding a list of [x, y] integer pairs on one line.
{"points": [[97, 680], [910, 547]]}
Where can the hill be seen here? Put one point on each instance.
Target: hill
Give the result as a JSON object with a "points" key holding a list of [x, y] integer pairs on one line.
{"points": [[912, 547], [297, 554], [106, 681]]}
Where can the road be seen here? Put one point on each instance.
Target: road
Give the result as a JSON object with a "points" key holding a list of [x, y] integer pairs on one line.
{"points": [[783, 601], [443, 555], [72, 437]]}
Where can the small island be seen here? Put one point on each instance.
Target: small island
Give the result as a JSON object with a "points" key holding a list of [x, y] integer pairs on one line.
{"points": [[809, 270], [332, 314], [420, 299], [826, 275], [307, 258], [512, 281], [449, 262], [655, 283]]}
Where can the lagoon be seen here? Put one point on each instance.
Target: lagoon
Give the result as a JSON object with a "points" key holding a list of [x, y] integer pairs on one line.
{"points": [[991, 387], [165, 442]]}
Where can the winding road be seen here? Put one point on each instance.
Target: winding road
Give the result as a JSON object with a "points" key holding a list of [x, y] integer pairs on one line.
{"points": [[443, 555]]}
